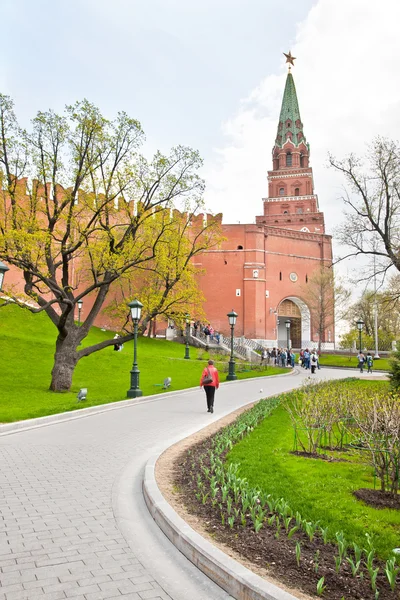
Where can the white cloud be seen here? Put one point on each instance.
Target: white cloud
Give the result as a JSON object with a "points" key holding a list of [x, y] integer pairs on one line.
{"points": [[347, 82]]}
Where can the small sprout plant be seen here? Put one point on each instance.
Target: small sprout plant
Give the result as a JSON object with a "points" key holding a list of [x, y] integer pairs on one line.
{"points": [[321, 587], [298, 553]]}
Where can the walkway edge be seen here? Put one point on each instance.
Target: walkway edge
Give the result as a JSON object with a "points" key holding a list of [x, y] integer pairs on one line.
{"points": [[80, 413], [234, 578]]}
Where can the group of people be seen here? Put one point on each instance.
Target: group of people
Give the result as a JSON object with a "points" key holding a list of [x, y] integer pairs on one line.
{"points": [[281, 357], [363, 361], [309, 359], [207, 330]]}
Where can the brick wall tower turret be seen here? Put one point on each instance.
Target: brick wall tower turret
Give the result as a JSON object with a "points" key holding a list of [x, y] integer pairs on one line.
{"points": [[291, 200], [264, 270]]}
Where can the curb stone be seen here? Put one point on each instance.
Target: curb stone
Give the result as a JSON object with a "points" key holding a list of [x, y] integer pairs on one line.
{"points": [[234, 578], [18, 426]]}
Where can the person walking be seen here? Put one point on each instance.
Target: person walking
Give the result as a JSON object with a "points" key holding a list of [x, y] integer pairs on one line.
{"points": [[370, 361], [210, 381], [264, 356], [361, 361], [313, 361]]}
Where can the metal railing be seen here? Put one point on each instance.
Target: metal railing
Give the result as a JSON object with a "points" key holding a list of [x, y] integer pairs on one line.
{"points": [[224, 342]]}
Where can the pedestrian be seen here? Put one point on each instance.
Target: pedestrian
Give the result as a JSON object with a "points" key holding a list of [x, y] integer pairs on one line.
{"points": [[264, 356], [361, 361], [210, 381], [313, 361], [306, 359], [195, 327], [370, 362], [292, 358]]}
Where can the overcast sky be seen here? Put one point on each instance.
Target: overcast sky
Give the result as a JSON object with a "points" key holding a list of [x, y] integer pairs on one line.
{"points": [[210, 74]]}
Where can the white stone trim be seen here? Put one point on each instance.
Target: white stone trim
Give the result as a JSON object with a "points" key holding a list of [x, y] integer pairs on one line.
{"points": [[290, 198], [284, 175]]}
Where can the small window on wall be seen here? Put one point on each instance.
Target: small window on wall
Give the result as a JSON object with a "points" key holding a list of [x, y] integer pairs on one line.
{"points": [[281, 191], [280, 275], [306, 278], [240, 247], [285, 212], [297, 191], [289, 159]]}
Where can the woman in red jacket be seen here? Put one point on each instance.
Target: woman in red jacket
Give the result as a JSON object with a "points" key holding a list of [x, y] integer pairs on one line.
{"points": [[210, 381]]}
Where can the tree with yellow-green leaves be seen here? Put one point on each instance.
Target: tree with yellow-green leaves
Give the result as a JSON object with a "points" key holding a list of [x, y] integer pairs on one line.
{"points": [[168, 286], [81, 209]]}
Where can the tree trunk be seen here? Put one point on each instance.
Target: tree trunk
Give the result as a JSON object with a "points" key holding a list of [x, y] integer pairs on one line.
{"points": [[65, 360]]}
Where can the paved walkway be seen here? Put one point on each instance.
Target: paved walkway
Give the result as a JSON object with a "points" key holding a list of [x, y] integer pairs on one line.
{"points": [[73, 523]]}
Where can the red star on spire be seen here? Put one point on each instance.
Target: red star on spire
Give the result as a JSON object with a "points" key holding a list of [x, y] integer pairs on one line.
{"points": [[289, 58]]}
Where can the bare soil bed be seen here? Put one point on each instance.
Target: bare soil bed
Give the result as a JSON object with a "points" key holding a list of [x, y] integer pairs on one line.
{"points": [[266, 554]]}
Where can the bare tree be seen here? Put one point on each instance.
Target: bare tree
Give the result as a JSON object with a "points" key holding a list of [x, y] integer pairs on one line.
{"points": [[327, 300], [372, 224]]}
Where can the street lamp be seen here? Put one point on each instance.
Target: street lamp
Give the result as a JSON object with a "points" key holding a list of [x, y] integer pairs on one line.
{"points": [[136, 310], [80, 304], [3, 270], [360, 325], [232, 316], [287, 323], [187, 337]]}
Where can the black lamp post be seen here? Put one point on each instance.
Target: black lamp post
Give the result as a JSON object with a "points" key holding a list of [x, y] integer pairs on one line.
{"points": [[3, 270], [360, 325], [187, 337], [232, 316], [287, 323], [136, 310], [80, 304]]}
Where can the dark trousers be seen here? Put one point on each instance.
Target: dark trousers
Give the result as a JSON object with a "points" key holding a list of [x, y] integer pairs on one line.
{"points": [[210, 393]]}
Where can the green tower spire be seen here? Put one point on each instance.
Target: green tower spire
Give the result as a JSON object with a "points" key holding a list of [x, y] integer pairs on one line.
{"points": [[290, 125]]}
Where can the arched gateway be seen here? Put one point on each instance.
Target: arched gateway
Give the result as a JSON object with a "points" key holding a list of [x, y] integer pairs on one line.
{"points": [[294, 311]]}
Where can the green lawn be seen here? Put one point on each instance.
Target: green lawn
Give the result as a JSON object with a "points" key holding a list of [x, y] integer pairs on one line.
{"points": [[341, 360], [318, 489], [27, 343]]}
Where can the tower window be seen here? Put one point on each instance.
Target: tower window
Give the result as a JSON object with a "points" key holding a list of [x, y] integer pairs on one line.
{"points": [[297, 191], [240, 247], [306, 278], [289, 159], [280, 275], [285, 212], [281, 191]]}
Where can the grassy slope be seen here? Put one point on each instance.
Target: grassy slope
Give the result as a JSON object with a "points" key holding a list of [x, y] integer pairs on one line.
{"points": [[318, 489], [27, 345]]}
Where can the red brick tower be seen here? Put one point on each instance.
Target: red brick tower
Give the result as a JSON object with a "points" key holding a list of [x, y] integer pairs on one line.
{"points": [[262, 270], [291, 186]]}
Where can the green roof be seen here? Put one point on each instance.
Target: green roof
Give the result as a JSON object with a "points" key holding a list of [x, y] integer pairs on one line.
{"points": [[289, 119]]}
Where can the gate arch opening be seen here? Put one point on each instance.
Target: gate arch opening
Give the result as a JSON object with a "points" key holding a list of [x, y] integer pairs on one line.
{"points": [[298, 313]]}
